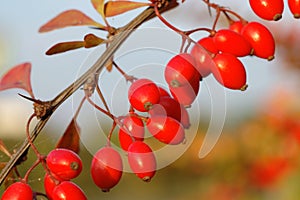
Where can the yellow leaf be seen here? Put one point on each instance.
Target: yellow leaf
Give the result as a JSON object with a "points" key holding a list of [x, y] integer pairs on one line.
{"points": [[69, 18], [99, 6], [113, 8]]}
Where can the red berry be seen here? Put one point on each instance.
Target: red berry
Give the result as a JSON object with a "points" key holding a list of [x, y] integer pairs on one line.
{"points": [[229, 71], [294, 6], [142, 94], [267, 9], [133, 129], [68, 190], [231, 42], [106, 168], [125, 139], [167, 106], [64, 163], [135, 126], [187, 93], [142, 160], [50, 183], [180, 70], [202, 57], [237, 26], [18, 191], [166, 129], [163, 92], [261, 40]]}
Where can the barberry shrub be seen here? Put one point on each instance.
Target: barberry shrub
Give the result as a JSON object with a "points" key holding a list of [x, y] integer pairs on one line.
{"points": [[156, 116]]}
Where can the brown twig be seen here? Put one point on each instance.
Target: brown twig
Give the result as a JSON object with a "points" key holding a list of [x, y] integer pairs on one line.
{"points": [[120, 37]]}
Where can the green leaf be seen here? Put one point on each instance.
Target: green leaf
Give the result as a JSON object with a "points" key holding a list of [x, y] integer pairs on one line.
{"points": [[69, 18], [65, 46], [113, 8], [17, 77]]}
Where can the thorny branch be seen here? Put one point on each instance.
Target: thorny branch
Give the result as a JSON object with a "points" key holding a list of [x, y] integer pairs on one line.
{"points": [[120, 37]]}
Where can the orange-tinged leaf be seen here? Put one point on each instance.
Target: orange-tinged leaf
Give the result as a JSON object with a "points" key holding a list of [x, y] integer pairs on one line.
{"points": [[71, 137], [17, 77], [109, 64], [4, 149], [65, 46], [113, 8], [69, 18], [99, 6], [90, 40]]}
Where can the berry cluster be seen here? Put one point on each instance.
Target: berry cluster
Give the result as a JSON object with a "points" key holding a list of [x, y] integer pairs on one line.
{"points": [[160, 111], [273, 9], [63, 165], [226, 45]]}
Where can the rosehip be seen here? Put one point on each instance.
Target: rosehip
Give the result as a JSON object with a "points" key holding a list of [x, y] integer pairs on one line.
{"points": [[18, 191], [231, 42], [202, 57], [106, 168], [68, 190], [166, 129], [294, 6], [261, 40], [142, 94], [142, 160], [268, 9], [180, 70], [64, 163], [229, 71]]}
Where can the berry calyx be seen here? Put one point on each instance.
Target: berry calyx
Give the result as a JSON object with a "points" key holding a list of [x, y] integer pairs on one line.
{"points": [[294, 6]]}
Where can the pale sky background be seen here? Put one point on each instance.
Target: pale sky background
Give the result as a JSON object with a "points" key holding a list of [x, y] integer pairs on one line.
{"points": [[21, 42]]}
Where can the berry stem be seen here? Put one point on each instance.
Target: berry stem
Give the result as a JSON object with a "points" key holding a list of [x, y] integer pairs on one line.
{"points": [[111, 132], [79, 108], [99, 108], [35, 164], [165, 21], [126, 76], [99, 92], [29, 138]]}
